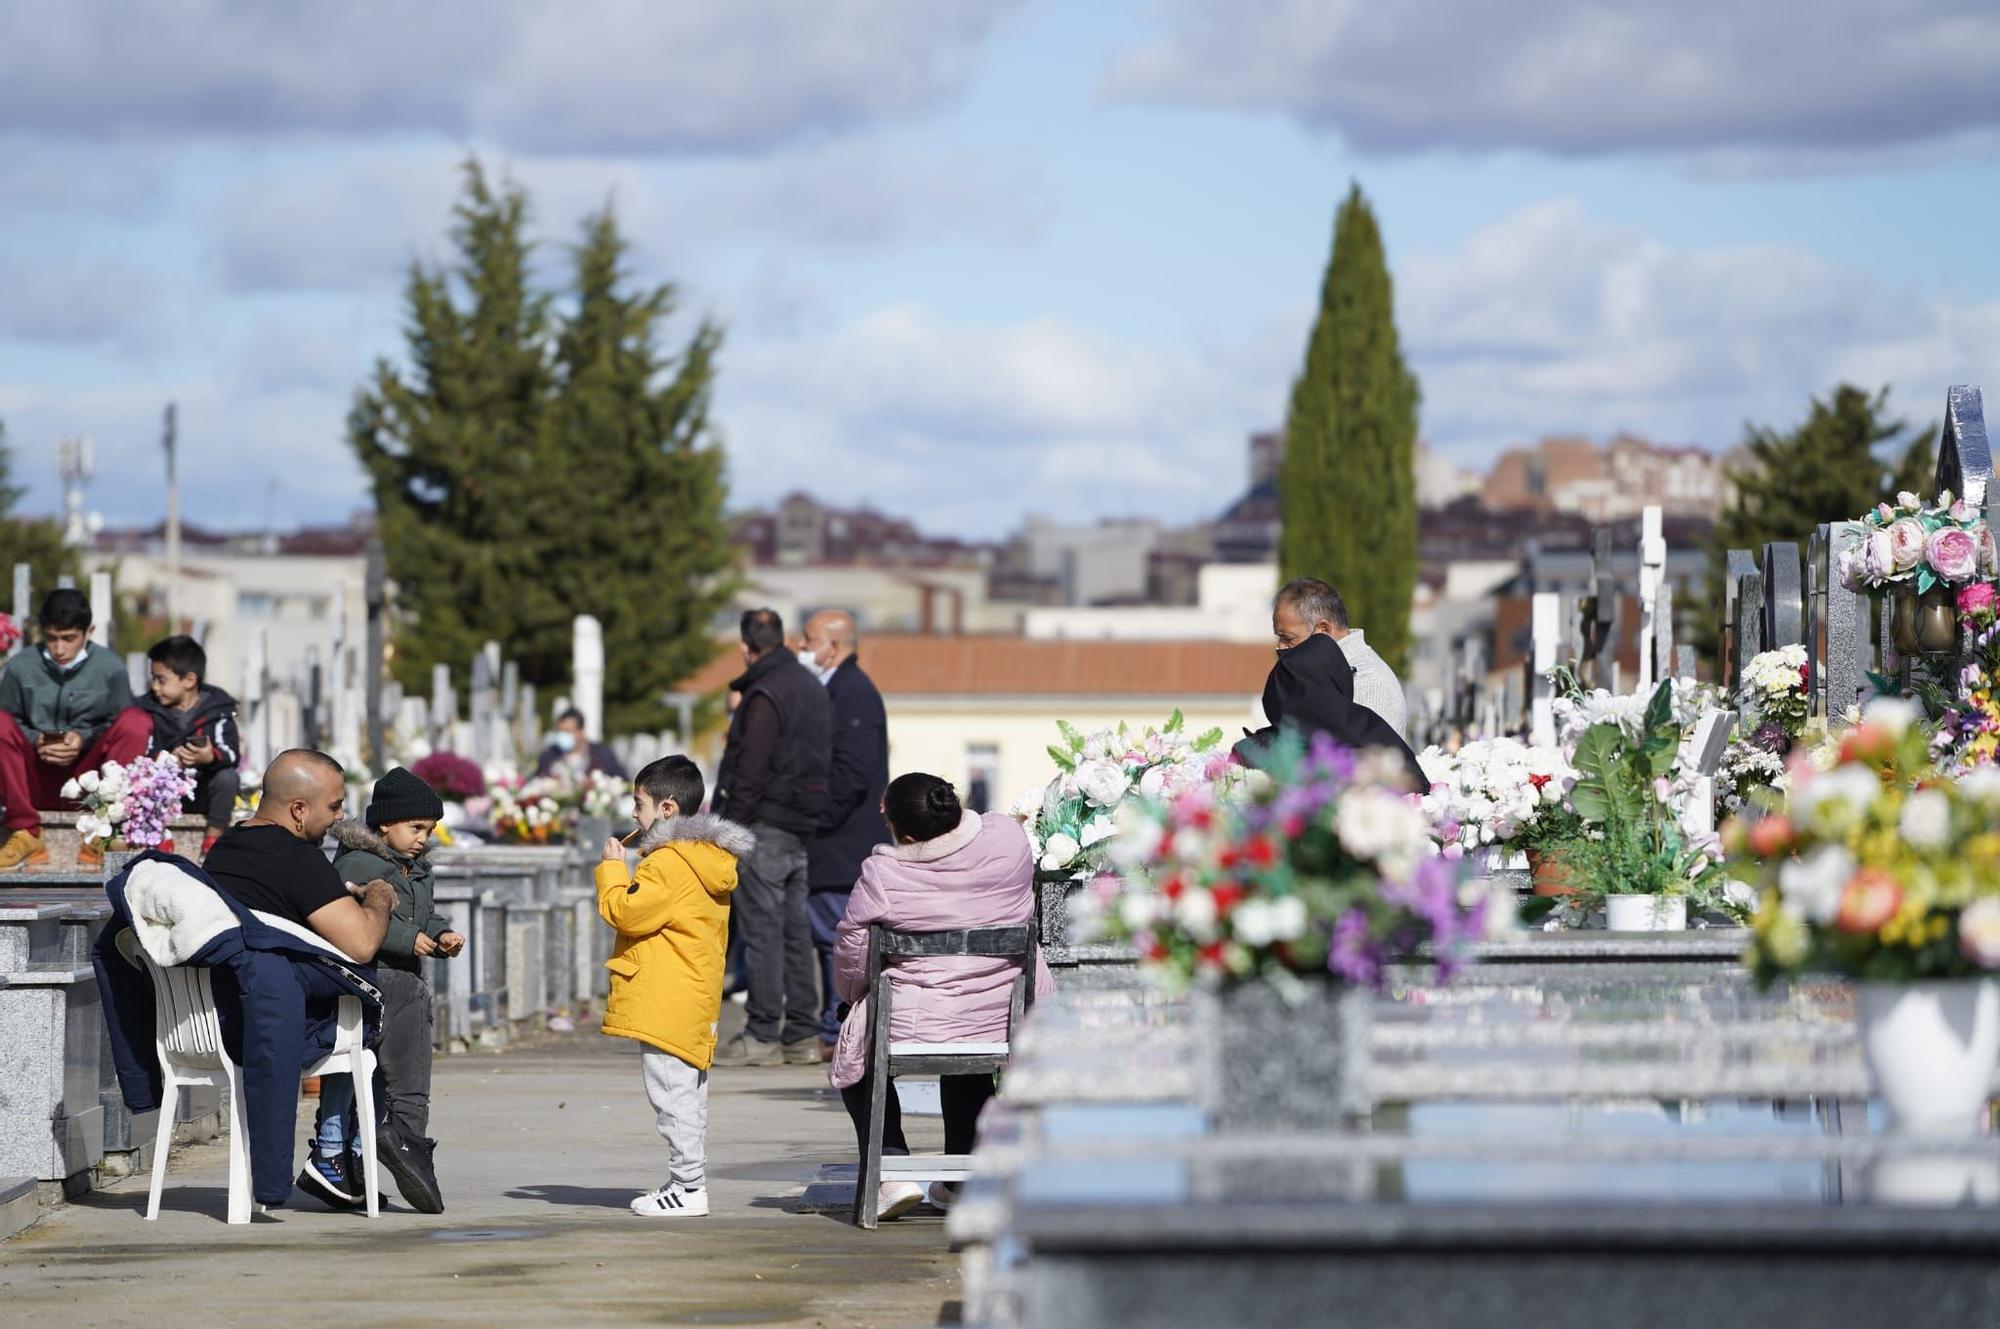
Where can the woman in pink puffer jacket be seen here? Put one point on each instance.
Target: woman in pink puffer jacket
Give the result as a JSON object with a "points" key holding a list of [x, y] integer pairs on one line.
{"points": [[948, 869]]}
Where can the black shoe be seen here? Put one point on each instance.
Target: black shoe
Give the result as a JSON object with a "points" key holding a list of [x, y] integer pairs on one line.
{"points": [[330, 1180], [408, 1159]]}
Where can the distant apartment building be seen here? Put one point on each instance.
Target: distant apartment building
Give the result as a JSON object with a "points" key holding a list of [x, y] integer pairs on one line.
{"points": [[294, 591], [1572, 474]]}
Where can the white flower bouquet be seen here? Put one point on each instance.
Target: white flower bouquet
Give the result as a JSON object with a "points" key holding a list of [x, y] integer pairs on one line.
{"points": [[1073, 819], [1497, 793]]}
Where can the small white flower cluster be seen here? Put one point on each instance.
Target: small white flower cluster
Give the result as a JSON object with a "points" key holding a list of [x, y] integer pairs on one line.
{"points": [[1490, 791], [1745, 767], [1389, 827], [1775, 673], [102, 793], [1574, 715], [1077, 812]]}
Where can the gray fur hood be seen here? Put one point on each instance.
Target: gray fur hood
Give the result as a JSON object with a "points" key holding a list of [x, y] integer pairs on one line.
{"points": [[353, 834], [700, 827]]}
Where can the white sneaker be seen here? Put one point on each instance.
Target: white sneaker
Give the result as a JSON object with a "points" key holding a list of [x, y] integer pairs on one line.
{"points": [[941, 1196], [896, 1198], [672, 1200]]}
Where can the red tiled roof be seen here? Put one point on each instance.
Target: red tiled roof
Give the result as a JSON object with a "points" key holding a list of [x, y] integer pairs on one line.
{"points": [[974, 666]]}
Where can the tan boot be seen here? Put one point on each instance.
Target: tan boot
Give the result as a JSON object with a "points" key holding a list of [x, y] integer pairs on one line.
{"points": [[23, 849], [92, 855]]}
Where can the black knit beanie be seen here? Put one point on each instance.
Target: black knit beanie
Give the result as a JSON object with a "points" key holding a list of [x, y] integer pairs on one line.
{"points": [[401, 796]]}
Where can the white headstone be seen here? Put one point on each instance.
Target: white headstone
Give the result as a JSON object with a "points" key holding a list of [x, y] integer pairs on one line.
{"points": [[1652, 570], [1703, 754], [587, 669], [1547, 624], [101, 609]]}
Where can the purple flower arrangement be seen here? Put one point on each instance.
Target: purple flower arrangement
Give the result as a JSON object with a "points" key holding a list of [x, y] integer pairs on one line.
{"points": [[1327, 868]]}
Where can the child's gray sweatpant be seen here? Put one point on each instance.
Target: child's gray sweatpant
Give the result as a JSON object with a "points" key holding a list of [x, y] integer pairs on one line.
{"points": [[679, 1095]]}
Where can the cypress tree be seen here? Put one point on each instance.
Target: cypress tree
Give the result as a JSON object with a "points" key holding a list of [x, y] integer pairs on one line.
{"points": [[1347, 487], [1829, 468]]}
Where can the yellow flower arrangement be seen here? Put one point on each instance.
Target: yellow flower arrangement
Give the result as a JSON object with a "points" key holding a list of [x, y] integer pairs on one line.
{"points": [[1880, 866]]}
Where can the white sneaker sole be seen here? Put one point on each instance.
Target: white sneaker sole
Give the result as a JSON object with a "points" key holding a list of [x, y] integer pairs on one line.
{"points": [[645, 1208], [898, 1207]]}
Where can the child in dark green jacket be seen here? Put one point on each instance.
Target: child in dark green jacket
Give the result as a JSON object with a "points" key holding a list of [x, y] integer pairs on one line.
{"points": [[393, 845]]}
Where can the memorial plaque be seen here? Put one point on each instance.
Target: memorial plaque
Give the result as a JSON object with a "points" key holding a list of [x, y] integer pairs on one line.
{"points": [[1783, 618]]}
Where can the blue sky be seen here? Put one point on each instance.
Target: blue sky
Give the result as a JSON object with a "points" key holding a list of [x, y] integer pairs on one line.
{"points": [[1001, 256]]}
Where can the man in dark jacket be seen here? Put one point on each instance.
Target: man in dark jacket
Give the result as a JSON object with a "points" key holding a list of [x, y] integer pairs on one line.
{"points": [[773, 779], [851, 824], [1311, 688]]}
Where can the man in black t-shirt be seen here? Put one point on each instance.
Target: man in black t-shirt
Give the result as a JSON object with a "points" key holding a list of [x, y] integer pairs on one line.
{"points": [[272, 863]]}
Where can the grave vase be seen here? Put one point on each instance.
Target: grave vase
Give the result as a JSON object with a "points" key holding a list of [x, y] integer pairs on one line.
{"points": [[1937, 621], [1903, 620], [1284, 1060], [1930, 1048]]}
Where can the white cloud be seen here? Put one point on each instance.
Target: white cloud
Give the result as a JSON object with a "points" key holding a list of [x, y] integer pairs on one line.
{"points": [[355, 222], [1569, 78], [967, 426], [1551, 321], [601, 76]]}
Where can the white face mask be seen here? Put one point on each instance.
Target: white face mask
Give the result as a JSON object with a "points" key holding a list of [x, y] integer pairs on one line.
{"points": [[812, 665]]}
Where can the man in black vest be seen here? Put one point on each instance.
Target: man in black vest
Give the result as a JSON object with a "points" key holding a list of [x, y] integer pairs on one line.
{"points": [[773, 779], [851, 824]]}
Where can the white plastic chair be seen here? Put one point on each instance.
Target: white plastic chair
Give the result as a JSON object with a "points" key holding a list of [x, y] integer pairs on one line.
{"points": [[188, 1037]]}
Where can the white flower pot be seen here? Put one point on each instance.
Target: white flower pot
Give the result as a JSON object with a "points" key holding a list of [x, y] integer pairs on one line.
{"points": [[1645, 913], [1930, 1049]]}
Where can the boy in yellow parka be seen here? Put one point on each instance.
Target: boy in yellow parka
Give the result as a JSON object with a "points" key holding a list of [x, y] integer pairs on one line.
{"points": [[666, 969]]}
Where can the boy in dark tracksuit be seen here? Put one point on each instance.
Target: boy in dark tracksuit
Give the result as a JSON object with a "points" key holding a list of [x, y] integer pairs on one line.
{"points": [[393, 845], [196, 722]]}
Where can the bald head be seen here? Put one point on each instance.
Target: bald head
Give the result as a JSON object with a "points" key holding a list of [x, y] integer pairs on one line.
{"points": [[831, 637], [304, 791]]}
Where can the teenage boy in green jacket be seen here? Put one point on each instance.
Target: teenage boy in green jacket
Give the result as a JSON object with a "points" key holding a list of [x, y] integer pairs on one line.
{"points": [[65, 708]]}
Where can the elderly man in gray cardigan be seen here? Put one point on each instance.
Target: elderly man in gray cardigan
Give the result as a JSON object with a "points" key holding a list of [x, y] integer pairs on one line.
{"points": [[1315, 606]]}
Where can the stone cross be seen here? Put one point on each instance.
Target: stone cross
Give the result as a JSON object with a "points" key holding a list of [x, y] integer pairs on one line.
{"points": [[1843, 655], [1703, 754], [1784, 609], [257, 695], [1547, 610], [1602, 630], [587, 672], [1745, 607], [483, 698], [1652, 569]]}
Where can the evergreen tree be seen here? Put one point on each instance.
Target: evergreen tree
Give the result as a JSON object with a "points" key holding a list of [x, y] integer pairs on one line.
{"points": [[1829, 468], [645, 489], [531, 466], [1347, 487], [457, 446]]}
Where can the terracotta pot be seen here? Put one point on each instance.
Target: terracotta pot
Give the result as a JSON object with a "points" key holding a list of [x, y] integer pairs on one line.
{"points": [[1550, 872], [1937, 621]]}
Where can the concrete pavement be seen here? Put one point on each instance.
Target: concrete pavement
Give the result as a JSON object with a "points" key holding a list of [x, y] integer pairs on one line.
{"points": [[540, 1149]]}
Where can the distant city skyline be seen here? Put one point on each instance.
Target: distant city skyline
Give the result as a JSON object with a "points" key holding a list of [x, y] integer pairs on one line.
{"points": [[1001, 257]]}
